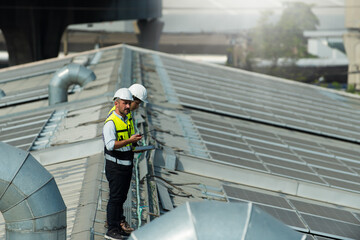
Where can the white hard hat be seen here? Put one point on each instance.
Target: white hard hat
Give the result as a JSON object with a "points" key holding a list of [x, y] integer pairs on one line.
{"points": [[139, 91], [124, 94]]}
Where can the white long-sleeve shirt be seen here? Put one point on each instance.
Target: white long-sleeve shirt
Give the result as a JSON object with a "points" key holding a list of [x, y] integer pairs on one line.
{"points": [[109, 135]]}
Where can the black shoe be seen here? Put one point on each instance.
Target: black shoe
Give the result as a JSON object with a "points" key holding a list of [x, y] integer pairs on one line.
{"points": [[123, 233], [113, 234]]}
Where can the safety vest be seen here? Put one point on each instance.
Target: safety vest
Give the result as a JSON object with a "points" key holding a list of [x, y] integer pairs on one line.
{"points": [[129, 116], [123, 132]]}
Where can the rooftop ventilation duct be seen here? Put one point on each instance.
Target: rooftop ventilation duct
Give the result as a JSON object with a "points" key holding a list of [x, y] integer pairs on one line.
{"points": [[64, 78], [30, 200], [216, 220], [2, 93]]}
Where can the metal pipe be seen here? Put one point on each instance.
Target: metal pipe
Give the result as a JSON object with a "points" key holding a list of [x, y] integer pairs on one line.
{"points": [[2, 93], [70, 74], [30, 200]]}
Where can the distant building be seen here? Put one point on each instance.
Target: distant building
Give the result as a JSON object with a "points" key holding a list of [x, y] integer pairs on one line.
{"points": [[352, 41]]}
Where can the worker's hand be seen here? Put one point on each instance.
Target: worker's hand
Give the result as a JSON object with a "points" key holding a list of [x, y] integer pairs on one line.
{"points": [[134, 138]]}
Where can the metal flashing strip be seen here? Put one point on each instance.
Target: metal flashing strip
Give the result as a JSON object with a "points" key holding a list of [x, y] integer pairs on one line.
{"points": [[165, 80], [164, 197], [125, 69]]}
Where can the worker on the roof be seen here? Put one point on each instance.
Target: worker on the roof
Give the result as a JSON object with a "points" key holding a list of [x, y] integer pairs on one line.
{"points": [[139, 94], [118, 135]]}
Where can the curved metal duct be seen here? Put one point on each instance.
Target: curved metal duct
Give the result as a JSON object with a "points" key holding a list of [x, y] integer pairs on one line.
{"points": [[66, 76], [30, 200], [2, 93], [216, 220]]}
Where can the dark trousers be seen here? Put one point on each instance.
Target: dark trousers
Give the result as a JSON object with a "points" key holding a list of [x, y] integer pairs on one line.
{"points": [[119, 178]]}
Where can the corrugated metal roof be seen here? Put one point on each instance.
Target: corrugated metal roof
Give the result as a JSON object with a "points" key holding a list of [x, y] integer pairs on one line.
{"points": [[218, 132]]}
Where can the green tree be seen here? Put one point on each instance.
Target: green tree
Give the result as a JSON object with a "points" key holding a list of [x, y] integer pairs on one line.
{"points": [[283, 39]]}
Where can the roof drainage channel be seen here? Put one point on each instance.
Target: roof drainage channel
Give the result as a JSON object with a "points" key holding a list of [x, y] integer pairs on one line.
{"points": [[47, 132], [165, 80]]}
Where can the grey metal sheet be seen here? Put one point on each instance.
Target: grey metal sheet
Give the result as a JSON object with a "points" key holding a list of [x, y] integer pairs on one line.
{"points": [[264, 138], [323, 211], [343, 185], [229, 110], [313, 148], [314, 155], [331, 228], [24, 72], [222, 135], [259, 133], [316, 237], [221, 102], [190, 93], [14, 121], [343, 176], [285, 164], [239, 161], [323, 107], [297, 124], [289, 218], [22, 143], [256, 197], [231, 151], [211, 121], [350, 160], [322, 164], [308, 117], [216, 127], [297, 140], [218, 141], [352, 164], [337, 149], [269, 152], [304, 176], [193, 103], [219, 127], [24, 98], [17, 134], [284, 155], [260, 116], [356, 170], [252, 107], [268, 145], [164, 197], [352, 135], [277, 110], [23, 128]]}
